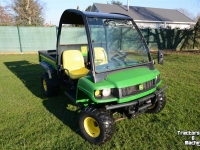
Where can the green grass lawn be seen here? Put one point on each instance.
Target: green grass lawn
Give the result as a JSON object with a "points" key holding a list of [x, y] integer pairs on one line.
{"points": [[29, 120]]}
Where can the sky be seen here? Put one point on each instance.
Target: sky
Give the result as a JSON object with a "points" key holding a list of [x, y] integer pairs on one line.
{"points": [[55, 8]]}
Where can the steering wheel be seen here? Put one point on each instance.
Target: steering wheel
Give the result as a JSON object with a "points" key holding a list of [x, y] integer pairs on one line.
{"points": [[120, 55]]}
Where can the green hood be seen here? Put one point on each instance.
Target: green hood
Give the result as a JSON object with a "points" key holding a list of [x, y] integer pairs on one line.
{"points": [[119, 79], [131, 76]]}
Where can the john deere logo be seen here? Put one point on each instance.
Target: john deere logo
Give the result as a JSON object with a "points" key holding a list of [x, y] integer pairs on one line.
{"points": [[141, 87]]}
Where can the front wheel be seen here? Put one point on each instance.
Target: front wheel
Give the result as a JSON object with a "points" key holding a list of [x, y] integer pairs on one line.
{"points": [[159, 105], [96, 125]]}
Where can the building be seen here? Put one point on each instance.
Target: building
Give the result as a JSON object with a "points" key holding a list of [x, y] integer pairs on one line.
{"points": [[146, 17]]}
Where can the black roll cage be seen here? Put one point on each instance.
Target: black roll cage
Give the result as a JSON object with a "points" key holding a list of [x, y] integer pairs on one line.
{"points": [[73, 16]]}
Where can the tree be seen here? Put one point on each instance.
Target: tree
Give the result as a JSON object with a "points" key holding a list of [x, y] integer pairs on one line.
{"points": [[198, 25], [197, 34], [197, 17], [5, 17], [28, 12], [88, 8], [116, 2]]}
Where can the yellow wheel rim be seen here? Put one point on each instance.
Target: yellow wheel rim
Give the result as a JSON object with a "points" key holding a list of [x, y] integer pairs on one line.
{"points": [[44, 85], [91, 127], [150, 107]]}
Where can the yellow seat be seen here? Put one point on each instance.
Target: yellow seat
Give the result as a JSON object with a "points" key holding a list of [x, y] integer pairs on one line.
{"points": [[100, 56], [73, 64]]}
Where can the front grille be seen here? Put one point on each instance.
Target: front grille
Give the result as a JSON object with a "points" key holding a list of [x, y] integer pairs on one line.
{"points": [[131, 90]]}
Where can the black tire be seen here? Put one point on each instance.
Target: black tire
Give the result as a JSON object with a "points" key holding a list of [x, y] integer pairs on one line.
{"points": [[97, 126], [159, 105], [47, 87]]}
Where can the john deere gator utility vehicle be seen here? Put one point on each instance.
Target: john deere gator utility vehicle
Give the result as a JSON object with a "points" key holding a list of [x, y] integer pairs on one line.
{"points": [[104, 63]]}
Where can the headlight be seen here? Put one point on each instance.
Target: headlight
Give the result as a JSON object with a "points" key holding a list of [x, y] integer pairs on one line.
{"points": [[97, 93], [106, 92]]}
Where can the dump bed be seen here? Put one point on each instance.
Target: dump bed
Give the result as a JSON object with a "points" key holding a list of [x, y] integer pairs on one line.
{"points": [[49, 57]]}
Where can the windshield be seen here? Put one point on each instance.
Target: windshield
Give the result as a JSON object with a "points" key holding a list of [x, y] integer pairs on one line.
{"points": [[117, 44]]}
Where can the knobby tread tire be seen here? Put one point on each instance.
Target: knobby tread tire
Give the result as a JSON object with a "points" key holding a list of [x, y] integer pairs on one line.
{"points": [[159, 105], [52, 90], [106, 123]]}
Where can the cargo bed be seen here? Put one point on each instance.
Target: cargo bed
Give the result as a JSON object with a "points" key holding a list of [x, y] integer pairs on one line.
{"points": [[49, 57]]}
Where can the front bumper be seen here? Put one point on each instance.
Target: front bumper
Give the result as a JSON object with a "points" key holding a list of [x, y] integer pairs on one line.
{"points": [[139, 105]]}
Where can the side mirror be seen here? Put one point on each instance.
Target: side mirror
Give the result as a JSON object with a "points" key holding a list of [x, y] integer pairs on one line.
{"points": [[160, 57]]}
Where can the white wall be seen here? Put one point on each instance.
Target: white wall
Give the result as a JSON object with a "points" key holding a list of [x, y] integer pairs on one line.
{"points": [[162, 25]]}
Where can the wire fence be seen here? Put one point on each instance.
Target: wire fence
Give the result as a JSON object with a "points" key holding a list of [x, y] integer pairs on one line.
{"points": [[32, 39], [172, 39]]}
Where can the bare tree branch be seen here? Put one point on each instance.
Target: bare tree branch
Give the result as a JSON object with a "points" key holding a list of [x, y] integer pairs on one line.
{"points": [[5, 17], [28, 12], [27, 5], [116, 2], [186, 13]]}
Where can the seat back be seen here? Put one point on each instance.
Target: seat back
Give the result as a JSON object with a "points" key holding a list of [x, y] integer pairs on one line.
{"points": [[72, 60], [100, 56]]}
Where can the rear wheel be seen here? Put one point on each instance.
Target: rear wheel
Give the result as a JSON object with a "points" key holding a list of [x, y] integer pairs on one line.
{"points": [[47, 87], [97, 126], [159, 105]]}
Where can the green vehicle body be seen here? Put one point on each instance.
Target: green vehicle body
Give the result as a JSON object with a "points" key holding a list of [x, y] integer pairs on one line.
{"points": [[136, 76], [48, 60], [86, 86], [133, 88]]}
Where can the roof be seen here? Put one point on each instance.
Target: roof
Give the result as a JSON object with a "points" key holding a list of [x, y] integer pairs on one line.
{"points": [[145, 13], [74, 16], [106, 15]]}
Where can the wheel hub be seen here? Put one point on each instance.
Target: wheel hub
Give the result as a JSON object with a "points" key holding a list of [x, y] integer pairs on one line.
{"points": [[91, 127], [44, 85]]}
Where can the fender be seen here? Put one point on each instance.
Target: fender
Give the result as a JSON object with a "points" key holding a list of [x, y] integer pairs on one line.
{"points": [[48, 68]]}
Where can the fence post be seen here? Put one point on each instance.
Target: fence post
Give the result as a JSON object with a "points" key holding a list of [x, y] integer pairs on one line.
{"points": [[20, 44], [194, 37], [56, 31], [172, 42], [148, 37]]}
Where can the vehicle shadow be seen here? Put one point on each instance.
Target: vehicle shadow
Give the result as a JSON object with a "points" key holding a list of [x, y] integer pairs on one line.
{"points": [[62, 108], [28, 73]]}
